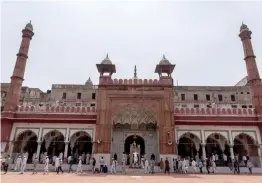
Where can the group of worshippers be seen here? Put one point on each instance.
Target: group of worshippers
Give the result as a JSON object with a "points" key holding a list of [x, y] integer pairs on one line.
{"points": [[147, 165], [20, 163]]}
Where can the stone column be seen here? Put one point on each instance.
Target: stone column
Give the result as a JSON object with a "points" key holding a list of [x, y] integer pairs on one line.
{"points": [[204, 151], [39, 143], [259, 149], [66, 150], [231, 151], [10, 148]]}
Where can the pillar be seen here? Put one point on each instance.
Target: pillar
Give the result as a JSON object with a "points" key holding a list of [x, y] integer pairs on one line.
{"points": [[39, 143], [259, 149], [232, 156], [11, 146], [66, 150], [204, 151]]}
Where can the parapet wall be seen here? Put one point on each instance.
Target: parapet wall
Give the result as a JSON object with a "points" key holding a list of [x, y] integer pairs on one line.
{"points": [[177, 111], [214, 111], [58, 109], [155, 82]]}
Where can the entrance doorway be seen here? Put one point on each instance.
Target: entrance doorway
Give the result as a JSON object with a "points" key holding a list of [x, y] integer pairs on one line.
{"points": [[139, 142]]}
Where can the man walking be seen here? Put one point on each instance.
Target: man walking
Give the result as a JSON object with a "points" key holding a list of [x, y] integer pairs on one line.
{"points": [[79, 166], [113, 166], [46, 164], [6, 164], [167, 167], [146, 166], [18, 163], [35, 162], [124, 165], [59, 166], [24, 161], [70, 162]]}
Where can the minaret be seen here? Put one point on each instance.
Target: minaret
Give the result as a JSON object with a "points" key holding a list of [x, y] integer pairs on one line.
{"points": [[135, 73], [13, 95], [252, 71]]}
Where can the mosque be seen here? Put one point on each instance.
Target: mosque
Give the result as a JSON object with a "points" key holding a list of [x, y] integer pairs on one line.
{"points": [[156, 116]]}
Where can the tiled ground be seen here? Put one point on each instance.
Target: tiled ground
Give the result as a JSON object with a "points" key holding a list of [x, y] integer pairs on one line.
{"points": [[156, 178]]}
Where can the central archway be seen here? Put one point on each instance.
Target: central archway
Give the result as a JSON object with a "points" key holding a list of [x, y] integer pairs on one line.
{"points": [[140, 142]]}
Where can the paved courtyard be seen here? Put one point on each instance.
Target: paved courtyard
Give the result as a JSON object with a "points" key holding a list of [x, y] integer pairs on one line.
{"points": [[157, 178]]}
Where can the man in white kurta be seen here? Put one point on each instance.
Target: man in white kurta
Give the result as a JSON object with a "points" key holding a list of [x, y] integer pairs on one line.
{"points": [[18, 163], [184, 166], [193, 163], [61, 156], [46, 164], [214, 166], [23, 166], [79, 166], [123, 165], [146, 166], [57, 163], [113, 166], [87, 158], [135, 158]]}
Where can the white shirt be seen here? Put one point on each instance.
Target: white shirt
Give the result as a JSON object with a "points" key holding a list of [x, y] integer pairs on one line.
{"points": [[57, 162], [225, 157], [46, 161], [80, 162], [193, 163], [24, 161], [244, 158], [102, 161], [146, 162]]}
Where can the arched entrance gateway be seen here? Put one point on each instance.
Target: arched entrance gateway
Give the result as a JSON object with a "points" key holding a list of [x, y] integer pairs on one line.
{"points": [[189, 146], [26, 142], [80, 143], [245, 145], [134, 126], [53, 143]]}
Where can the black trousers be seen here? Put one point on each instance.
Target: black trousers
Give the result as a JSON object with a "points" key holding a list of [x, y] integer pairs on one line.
{"points": [[167, 170], [6, 168], [236, 170], [58, 170], [200, 168], [250, 170], [207, 167]]}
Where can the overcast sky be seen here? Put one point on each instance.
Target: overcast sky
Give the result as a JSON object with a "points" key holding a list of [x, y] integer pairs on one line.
{"points": [[201, 38]]}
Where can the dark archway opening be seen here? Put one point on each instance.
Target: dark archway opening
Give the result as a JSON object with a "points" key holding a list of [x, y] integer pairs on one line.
{"points": [[57, 146], [31, 148], [82, 145], [186, 148], [26, 142], [130, 140]]}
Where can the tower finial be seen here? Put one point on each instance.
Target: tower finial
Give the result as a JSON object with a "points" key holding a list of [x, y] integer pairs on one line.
{"points": [[164, 57], [107, 56], [135, 74]]}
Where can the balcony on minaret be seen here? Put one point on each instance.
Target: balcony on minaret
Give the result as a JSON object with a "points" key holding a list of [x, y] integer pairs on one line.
{"points": [[106, 68], [164, 69]]}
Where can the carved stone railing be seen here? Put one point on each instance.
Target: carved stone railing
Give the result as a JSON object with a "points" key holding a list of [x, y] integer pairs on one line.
{"points": [[214, 111], [134, 82], [58, 109]]}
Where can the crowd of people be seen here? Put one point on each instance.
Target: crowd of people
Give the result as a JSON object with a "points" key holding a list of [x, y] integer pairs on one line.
{"points": [[180, 165]]}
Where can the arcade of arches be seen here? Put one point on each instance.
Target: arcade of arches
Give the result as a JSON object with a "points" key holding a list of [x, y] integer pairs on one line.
{"points": [[189, 145], [53, 144]]}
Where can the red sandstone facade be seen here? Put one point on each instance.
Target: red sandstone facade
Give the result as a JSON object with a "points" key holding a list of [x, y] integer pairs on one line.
{"points": [[113, 95]]}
